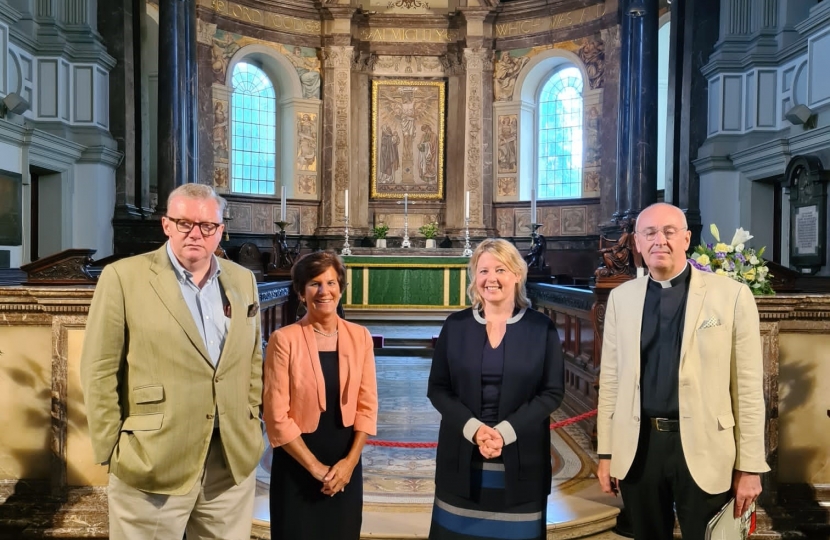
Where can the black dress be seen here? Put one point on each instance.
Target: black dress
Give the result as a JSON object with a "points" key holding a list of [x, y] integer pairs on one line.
{"points": [[299, 510]]}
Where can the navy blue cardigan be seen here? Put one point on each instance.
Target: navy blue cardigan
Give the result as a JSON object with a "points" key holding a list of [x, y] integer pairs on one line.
{"points": [[532, 388]]}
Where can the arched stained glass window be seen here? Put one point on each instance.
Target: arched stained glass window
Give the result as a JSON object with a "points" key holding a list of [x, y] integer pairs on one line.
{"points": [[253, 131], [560, 135]]}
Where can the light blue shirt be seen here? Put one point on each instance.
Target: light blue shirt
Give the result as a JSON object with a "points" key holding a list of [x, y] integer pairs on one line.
{"points": [[205, 305]]}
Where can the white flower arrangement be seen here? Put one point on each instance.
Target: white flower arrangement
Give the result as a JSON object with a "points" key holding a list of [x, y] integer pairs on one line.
{"points": [[734, 260]]}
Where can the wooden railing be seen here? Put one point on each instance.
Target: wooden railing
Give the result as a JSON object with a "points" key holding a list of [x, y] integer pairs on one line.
{"points": [[570, 308], [275, 306]]}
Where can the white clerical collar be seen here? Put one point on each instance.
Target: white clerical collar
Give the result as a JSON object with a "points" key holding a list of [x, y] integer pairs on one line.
{"points": [[673, 282]]}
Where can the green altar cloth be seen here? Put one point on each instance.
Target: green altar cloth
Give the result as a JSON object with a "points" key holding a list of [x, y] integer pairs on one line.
{"points": [[409, 282]]}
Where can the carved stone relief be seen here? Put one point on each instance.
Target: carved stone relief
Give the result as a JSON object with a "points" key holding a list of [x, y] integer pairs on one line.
{"points": [[507, 70], [306, 184], [387, 65], [507, 186], [306, 142], [592, 54], [221, 132], [508, 156]]}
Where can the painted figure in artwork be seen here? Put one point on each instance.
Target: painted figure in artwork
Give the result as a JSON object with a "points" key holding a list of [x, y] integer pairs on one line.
{"points": [[428, 154], [308, 68], [389, 159]]}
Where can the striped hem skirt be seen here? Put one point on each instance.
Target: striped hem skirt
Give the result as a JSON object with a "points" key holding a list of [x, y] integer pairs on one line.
{"points": [[485, 515]]}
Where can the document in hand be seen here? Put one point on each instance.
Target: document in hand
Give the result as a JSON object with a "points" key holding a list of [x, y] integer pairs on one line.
{"points": [[724, 526]]}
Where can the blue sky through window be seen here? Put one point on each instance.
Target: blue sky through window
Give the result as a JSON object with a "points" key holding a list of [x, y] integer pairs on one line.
{"points": [[253, 131], [560, 136]]}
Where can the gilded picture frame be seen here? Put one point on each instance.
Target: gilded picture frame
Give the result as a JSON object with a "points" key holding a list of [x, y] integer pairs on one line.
{"points": [[408, 123]]}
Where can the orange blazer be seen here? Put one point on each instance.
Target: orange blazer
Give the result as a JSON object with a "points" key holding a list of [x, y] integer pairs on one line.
{"points": [[294, 391]]}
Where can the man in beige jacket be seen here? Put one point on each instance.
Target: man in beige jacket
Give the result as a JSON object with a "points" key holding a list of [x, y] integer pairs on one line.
{"points": [[681, 406], [172, 376]]}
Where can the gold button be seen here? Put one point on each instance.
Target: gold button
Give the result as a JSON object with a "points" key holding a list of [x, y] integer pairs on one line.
{"points": [[209, 416]]}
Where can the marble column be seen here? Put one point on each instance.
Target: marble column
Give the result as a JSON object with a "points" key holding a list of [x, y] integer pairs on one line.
{"points": [[336, 161], [641, 162], [177, 152], [119, 25], [694, 32], [623, 115]]}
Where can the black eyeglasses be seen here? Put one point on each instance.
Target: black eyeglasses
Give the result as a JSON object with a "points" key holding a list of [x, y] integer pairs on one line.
{"points": [[185, 226], [669, 232]]}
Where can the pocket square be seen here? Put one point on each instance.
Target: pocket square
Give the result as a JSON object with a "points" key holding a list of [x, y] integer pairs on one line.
{"points": [[253, 309], [711, 322]]}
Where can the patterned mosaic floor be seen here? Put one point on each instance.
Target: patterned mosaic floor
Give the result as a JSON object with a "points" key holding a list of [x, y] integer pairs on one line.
{"points": [[404, 476]]}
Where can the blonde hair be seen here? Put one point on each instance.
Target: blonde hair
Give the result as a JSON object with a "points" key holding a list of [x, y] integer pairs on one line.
{"points": [[507, 254], [197, 191]]}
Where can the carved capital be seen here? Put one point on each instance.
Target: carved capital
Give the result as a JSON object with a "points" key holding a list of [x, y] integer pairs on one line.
{"points": [[478, 59], [336, 57]]}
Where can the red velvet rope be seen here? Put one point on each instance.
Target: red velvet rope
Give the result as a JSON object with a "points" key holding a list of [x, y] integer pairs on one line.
{"points": [[393, 444]]}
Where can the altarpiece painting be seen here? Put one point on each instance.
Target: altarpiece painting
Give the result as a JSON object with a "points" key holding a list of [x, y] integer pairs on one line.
{"points": [[408, 139]]}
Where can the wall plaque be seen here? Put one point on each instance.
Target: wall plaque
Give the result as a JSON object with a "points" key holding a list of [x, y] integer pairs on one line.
{"points": [[11, 206], [807, 181]]}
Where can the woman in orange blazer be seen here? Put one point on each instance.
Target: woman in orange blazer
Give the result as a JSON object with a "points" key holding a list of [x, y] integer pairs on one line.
{"points": [[320, 402]]}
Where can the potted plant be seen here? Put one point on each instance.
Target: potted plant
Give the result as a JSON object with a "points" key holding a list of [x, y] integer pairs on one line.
{"points": [[430, 231], [379, 232]]}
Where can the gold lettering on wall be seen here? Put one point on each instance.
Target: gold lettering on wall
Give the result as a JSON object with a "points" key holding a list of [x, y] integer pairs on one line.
{"points": [[259, 17], [408, 35], [554, 22]]}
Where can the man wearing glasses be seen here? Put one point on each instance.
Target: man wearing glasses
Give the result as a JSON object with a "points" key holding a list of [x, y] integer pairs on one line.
{"points": [[171, 371], [681, 406]]}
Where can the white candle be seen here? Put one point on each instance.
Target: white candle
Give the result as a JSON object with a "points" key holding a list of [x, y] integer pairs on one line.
{"points": [[467, 206], [405, 202], [532, 206], [346, 204], [282, 204]]}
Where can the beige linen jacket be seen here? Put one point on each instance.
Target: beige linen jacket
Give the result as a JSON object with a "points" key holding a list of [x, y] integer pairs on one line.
{"points": [[720, 380]]}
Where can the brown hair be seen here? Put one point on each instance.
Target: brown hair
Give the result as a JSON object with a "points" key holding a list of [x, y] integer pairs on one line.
{"points": [[312, 265], [507, 254]]}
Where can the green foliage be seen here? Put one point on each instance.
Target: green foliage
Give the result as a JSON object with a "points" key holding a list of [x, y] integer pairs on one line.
{"points": [[379, 231], [429, 230]]}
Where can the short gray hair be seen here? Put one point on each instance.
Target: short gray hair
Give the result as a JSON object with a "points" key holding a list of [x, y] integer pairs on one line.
{"points": [[197, 191]]}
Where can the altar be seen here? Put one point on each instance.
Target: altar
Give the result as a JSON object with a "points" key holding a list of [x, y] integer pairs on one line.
{"points": [[406, 279]]}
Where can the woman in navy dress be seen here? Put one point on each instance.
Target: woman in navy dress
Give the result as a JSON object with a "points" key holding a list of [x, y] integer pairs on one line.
{"points": [[497, 375]]}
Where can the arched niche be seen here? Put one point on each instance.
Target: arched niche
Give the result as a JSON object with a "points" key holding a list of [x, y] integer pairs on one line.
{"points": [[525, 105], [299, 182]]}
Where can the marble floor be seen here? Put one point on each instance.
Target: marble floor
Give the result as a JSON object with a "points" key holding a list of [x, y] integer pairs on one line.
{"points": [[398, 482]]}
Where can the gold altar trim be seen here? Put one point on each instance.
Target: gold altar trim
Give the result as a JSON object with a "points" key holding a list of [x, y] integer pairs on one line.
{"points": [[557, 21], [447, 286], [260, 17], [348, 285], [408, 35], [365, 286]]}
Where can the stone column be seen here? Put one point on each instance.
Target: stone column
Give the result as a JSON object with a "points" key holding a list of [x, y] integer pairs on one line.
{"points": [[623, 115], [641, 174], [336, 160], [118, 23], [177, 72], [478, 156], [694, 32]]}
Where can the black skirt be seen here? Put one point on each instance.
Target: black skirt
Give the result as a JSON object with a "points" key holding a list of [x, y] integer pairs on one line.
{"points": [[299, 510]]}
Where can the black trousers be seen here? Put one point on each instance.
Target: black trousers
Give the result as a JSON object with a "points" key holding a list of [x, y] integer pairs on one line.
{"points": [[658, 479]]}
